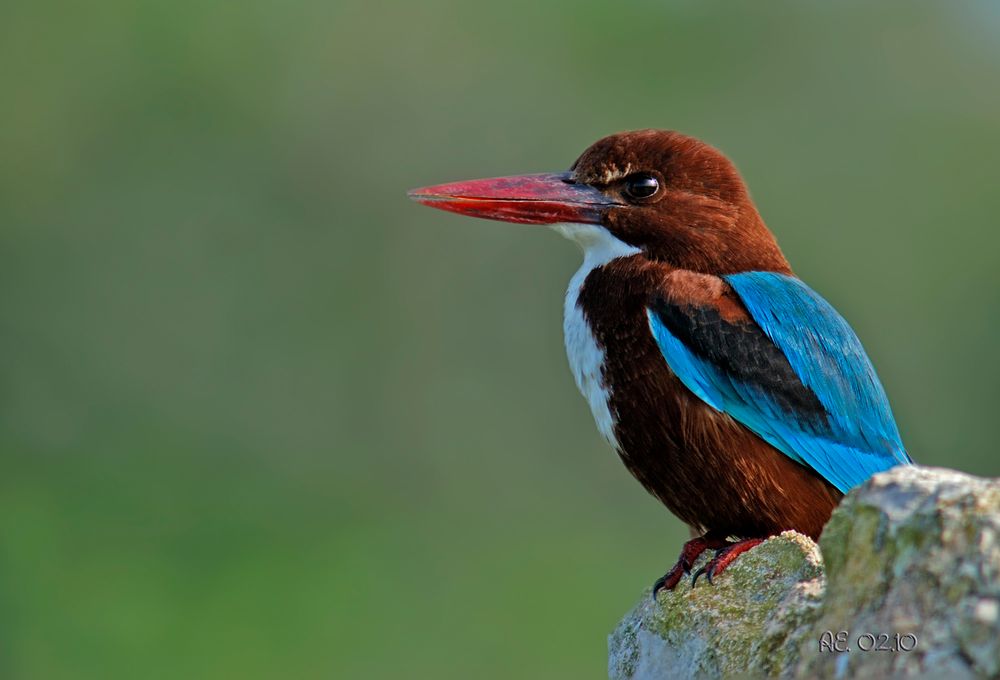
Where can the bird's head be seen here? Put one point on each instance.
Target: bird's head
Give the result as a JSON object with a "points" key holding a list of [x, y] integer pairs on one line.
{"points": [[676, 199]]}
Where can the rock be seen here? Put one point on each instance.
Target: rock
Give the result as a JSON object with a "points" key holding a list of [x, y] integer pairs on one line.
{"points": [[911, 588]]}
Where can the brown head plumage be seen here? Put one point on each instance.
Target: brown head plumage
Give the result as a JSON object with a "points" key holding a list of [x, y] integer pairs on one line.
{"points": [[680, 200]]}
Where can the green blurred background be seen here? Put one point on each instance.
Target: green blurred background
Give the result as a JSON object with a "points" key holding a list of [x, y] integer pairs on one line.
{"points": [[262, 417]]}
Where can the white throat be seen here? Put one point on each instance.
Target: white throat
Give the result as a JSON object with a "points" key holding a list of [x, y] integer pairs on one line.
{"points": [[586, 357]]}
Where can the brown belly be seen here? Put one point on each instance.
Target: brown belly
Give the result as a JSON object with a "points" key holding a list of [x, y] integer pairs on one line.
{"points": [[715, 474]]}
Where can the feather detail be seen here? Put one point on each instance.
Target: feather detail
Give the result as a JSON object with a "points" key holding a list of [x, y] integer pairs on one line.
{"points": [[792, 371]]}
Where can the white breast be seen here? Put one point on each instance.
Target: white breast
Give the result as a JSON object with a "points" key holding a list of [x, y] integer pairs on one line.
{"points": [[586, 357]]}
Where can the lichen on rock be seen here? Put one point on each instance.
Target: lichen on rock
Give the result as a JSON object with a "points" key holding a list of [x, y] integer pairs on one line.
{"points": [[910, 586]]}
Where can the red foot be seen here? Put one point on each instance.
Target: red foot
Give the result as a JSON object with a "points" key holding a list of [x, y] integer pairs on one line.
{"points": [[691, 551], [724, 557]]}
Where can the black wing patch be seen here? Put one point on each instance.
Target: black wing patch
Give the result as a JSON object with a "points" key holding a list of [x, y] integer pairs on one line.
{"points": [[742, 351]]}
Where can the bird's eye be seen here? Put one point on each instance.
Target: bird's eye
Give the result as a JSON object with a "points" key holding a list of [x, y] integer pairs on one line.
{"points": [[641, 185]]}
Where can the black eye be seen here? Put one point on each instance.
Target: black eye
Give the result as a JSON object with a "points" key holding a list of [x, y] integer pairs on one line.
{"points": [[641, 185]]}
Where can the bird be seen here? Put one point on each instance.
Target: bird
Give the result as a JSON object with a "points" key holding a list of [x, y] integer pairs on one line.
{"points": [[732, 391]]}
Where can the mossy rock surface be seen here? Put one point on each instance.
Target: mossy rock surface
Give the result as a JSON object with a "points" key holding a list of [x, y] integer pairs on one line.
{"points": [[910, 587]]}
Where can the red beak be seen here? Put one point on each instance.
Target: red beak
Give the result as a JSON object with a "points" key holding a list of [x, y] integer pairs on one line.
{"points": [[528, 199]]}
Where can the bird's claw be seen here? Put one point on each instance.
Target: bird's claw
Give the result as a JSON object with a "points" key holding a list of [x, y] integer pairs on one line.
{"points": [[707, 570], [689, 553], [723, 558], [670, 580]]}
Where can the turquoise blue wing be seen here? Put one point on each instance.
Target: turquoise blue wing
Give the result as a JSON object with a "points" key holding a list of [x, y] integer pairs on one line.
{"points": [[793, 372]]}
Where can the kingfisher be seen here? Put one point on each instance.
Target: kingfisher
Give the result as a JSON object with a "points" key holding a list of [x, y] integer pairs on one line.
{"points": [[732, 391]]}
